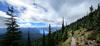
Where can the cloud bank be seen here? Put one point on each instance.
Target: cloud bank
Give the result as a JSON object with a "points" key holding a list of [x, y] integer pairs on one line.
{"points": [[73, 9], [40, 13]]}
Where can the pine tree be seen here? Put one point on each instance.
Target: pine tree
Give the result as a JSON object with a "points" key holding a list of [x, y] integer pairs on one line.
{"points": [[98, 21], [49, 36], [57, 37], [64, 33], [49, 31], [98, 6], [13, 35], [29, 40], [51, 41], [43, 40], [91, 8], [62, 29], [63, 25]]}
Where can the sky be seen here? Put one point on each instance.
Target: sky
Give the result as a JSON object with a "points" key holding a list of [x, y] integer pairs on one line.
{"points": [[41, 13]]}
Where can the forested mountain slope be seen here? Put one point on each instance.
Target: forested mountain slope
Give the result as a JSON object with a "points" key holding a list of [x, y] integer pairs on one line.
{"points": [[83, 32]]}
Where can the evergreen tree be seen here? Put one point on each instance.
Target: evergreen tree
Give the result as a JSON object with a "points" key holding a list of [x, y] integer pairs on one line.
{"points": [[29, 40], [13, 35], [98, 21], [62, 29], [91, 8], [64, 33], [43, 40], [63, 25], [98, 6], [49, 32], [50, 38], [57, 37]]}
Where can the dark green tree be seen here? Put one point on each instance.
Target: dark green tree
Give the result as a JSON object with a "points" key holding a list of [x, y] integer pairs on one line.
{"points": [[29, 40], [49, 36], [99, 7], [98, 21], [62, 29], [57, 38], [63, 25], [91, 8], [13, 35], [51, 41], [43, 39]]}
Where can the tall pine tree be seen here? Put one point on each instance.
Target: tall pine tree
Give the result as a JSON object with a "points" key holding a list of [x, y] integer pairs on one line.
{"points": [[91, 8], [43, 40], [62, 29], [63, 25], [13, 35], [29, 40], [64, 33], [51, 41], [49, 35]]}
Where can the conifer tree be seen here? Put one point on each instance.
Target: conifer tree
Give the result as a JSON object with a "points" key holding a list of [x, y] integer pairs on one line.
{"points": [[49, 31], [43, 40], [29, 40], [62, 29], [98, 21], [13, 35], [91, 8], [98, 6], [50, 38], [57, 37], [63, 25]]}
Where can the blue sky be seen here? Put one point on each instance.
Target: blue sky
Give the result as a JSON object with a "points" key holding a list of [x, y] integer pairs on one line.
{"points": [[40, 13], [3, 7]]}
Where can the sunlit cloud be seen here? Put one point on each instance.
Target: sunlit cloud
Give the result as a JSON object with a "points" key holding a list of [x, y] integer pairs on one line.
{"points": [[30, 12]]}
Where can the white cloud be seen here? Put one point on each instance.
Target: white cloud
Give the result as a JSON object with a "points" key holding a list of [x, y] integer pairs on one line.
{"points": [[42, 11], [2, 19], [25, 25], [3, 14], [74, 11], [35, 13]]}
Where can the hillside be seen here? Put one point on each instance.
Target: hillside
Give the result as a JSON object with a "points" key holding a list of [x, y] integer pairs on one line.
{"points": [[83, 32]]}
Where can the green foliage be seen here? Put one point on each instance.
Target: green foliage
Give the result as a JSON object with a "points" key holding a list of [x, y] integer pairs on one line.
{"points": [[12, 36], [29, 40], [98, 38], [43, 40], [91, 8]]}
